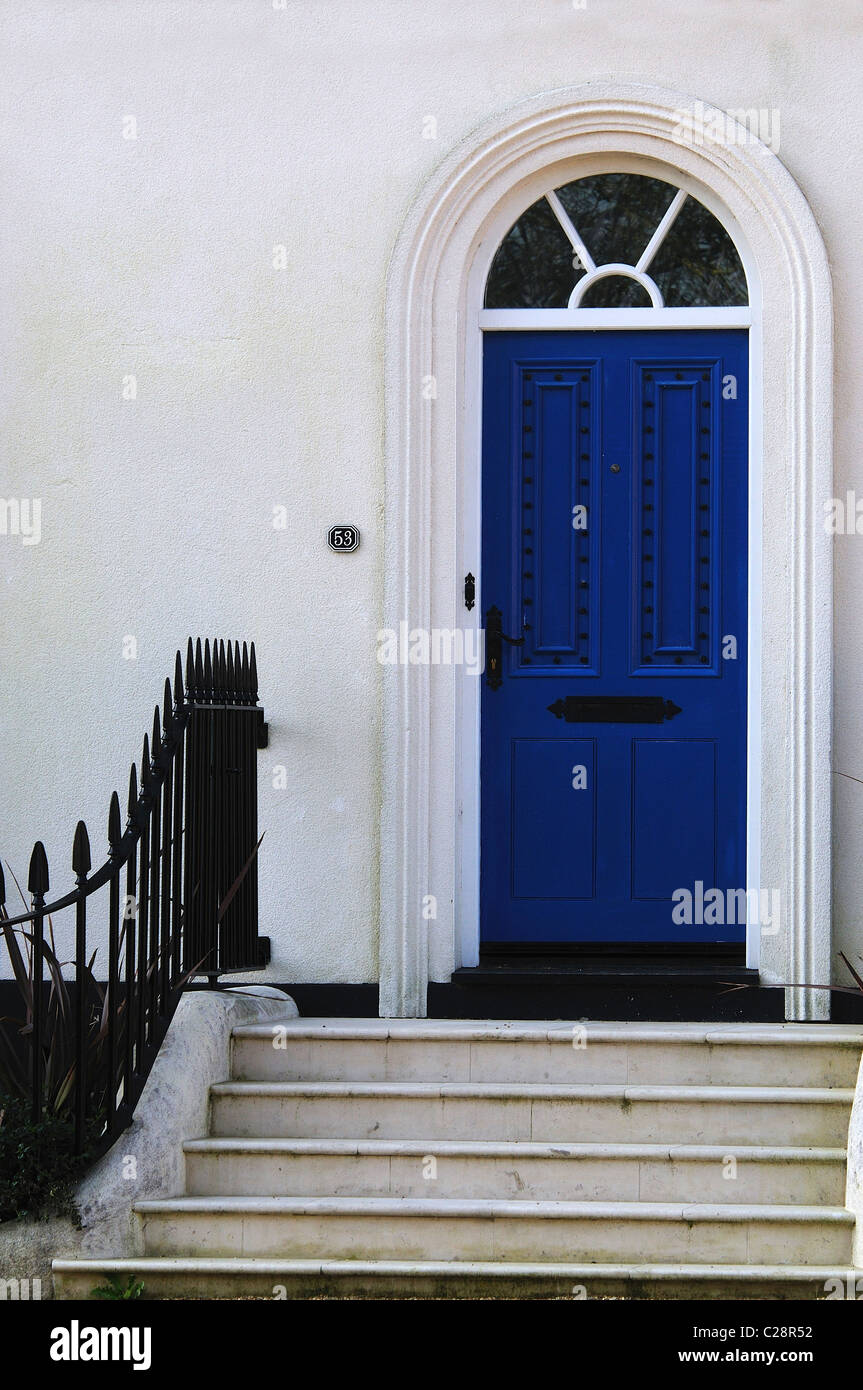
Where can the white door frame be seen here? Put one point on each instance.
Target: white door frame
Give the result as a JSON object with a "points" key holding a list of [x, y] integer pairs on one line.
{"points": [[468, 691], [429, 830]]}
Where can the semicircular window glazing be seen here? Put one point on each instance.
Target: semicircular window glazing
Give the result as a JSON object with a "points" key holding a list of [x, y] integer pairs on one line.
{"points": [[614, 241]]}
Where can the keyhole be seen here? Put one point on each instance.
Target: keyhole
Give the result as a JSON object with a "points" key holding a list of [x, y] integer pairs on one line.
{"points": [[615, 468]]}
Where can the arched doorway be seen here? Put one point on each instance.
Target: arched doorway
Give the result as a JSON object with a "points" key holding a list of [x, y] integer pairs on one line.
{"points": [[431, 808]]}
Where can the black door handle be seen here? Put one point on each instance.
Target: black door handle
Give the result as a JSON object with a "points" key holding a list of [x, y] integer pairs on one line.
{"points": [[494, 639]]}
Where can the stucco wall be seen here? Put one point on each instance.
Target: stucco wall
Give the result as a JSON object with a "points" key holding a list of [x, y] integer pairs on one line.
{"points": [[304, 127]]}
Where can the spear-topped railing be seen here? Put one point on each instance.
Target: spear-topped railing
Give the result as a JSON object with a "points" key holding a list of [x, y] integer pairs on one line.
{"points": [[181, 902]]}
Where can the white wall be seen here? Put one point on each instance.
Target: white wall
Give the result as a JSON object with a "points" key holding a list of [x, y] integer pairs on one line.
{"points": [[259, 387]]}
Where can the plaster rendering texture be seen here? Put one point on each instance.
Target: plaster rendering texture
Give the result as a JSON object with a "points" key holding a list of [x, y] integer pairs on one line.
{"points": [[305, 128]]}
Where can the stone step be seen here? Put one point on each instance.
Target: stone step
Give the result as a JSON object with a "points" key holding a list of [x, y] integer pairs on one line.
{"points": [[720, 1115], [239, 1277], [559, 1052], [577, 1172], [409, 1228]]}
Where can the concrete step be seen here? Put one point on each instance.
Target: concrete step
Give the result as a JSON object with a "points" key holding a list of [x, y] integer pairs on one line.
{"points": [[408, 1228], [238, 1277], [551, 1052], [582, 1172], [720, 1115]]}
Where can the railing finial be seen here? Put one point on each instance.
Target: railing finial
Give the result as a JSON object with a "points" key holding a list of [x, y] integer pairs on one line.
{"points": [[178, 682], [132, 803], [145, 766], [230, 679], [190, 670], [37, 879], [81, 862], [2, 887], [115, 833], [199, 671], [167, 709]]}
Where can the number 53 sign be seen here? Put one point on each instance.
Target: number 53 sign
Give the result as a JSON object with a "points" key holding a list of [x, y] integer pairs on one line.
{"points": [[343, 538]]}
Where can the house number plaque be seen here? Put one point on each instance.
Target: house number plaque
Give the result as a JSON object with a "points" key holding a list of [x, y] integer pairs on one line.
{"points": [[343, 539]]}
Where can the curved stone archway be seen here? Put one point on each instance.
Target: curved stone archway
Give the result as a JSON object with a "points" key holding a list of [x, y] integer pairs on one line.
{"points": [[432, 342]]}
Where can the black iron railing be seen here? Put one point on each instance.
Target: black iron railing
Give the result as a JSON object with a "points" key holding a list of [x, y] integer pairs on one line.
{"points": [[180, 902]]}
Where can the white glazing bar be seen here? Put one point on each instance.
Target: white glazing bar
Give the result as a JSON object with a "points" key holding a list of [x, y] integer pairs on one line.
{"points": [[615, 268], [572, 236], [662, 230], [734, 316]]}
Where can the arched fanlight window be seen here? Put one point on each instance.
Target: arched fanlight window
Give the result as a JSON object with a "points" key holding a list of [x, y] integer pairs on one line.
{"points": [[616, 241]]}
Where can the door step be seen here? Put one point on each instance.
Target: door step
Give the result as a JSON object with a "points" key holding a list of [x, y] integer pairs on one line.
{"points": [[373, 1158], [698, 995], [618, 1114], [436, 1050], [483, 1229], [650, 981], [591, 970], [471, 1169], [238, 1277]]}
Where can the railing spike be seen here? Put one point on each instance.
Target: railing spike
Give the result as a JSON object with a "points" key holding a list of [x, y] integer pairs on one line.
{"points": [[199, 671], [133, 791], [81, 861], [208, 671], [145, 765], [230, 679], [253, 675], [244, 673], [2, 887], [217, 673], [178, 683], [37, 878], [190, 668], [157, 734], [167, 708], [223, 673], [115, 832]]}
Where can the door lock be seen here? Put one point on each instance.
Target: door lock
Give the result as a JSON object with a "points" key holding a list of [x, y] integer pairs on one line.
{"points": [[494, 639]]}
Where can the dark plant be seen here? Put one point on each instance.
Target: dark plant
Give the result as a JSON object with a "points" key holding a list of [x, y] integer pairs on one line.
{"points": [[855, 989], [115, 1288], [58, 1049], [38, 1165]]}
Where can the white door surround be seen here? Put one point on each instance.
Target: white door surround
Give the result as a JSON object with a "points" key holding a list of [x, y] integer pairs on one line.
{"points": [[429, 844]]}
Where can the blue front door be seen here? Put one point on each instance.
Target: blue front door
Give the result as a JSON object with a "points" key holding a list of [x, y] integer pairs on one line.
{"points": [[614, 559]]}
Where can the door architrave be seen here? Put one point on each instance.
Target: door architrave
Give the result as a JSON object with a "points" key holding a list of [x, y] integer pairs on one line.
{"points": [[429, 821]]}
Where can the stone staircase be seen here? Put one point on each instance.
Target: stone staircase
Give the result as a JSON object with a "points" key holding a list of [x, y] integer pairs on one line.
{"points": [[375, 1158]]}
